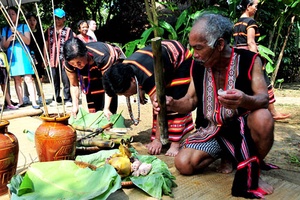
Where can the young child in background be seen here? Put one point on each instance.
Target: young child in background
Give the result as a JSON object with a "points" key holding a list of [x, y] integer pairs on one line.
{"points": [[3, 77]]}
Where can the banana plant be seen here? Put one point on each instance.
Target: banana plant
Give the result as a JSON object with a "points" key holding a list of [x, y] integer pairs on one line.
{"points": [[265, 52], [164, 29]]}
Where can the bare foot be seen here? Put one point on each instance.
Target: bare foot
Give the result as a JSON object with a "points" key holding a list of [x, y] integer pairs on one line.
{"points": [[173, 150], [265, 187], [280, 116], [154, 147], [225, 166]]}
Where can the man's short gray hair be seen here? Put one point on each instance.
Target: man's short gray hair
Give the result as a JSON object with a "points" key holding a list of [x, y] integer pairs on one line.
{"points": [[216, 26]]}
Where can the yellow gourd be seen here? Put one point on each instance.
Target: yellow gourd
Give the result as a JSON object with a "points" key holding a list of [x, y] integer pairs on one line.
{"points": [[121, 161]]}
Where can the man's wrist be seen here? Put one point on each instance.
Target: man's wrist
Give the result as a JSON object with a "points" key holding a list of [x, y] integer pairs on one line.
{"points": [[156, 140]]}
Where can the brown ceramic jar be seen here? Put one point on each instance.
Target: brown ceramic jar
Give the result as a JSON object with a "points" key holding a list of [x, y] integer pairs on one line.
{"points": [[55, 139], [9, 151]]}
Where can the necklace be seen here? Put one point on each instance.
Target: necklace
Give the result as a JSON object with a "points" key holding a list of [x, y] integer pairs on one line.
{"points": [[137, 120], [84, 89]]}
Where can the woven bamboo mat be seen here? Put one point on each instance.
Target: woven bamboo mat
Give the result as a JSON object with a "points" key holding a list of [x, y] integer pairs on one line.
{"points": [[209, 185]]}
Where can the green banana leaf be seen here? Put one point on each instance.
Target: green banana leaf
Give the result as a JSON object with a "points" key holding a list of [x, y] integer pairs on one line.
{"points": [[269, 68], [65, 180], [97, 159], [181, 19], [145, 37], [131, 47], [169, 28], [197, 14], [96, 120], [160, 176], [265, 52]]}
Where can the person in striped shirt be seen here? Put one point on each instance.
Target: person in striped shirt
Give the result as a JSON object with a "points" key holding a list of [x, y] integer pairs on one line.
{"points": [[135, 75], [85, 65], [246, 35]]}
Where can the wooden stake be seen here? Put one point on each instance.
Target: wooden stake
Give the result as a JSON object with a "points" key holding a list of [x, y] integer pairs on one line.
{"points": [[160, 89]]}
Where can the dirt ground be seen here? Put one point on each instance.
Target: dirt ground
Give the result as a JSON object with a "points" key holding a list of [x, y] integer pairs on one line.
{"points": [[285, 152]]}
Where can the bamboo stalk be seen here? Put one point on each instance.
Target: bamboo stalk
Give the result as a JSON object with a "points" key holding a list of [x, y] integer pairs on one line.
{"points": [[122, 139], [107, 136], [97, 142], [160, 89], [119, 141], [148, 11], [93, 131]]}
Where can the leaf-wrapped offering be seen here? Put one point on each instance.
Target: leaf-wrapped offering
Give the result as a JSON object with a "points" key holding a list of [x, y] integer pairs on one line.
{"points": [[91, 132], [159, 174], [84, 119], [64, 180], [158, 182]]}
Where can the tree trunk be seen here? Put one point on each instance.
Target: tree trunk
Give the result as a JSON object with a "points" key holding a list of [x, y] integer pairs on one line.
{"points": [[152, 15], [148, 11], [282, 50], [281, 21], [271, 36]]}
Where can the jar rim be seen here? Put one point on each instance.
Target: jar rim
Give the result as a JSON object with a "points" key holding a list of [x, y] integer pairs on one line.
{"points": [[4, 122], [54, 117]]}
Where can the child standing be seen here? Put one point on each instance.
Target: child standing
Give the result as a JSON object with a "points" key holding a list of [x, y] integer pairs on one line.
{"points": [[3, 79]]}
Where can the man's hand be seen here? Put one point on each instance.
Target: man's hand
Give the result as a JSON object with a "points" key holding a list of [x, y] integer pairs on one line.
{"points": [[143, 98], [156, 108], [74, 110], [107, 113], [231, 99]]}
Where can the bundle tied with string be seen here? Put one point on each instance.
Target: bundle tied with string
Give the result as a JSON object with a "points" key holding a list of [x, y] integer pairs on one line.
{"points": [[95, 131]]}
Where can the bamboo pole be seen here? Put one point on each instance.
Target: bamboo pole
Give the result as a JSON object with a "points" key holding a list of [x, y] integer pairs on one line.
{"points": [[14, 26], [4, 12], [160, 89]]}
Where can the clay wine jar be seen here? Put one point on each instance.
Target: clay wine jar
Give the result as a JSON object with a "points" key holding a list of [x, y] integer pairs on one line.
{"points": [[55, 139], [9, 151]]}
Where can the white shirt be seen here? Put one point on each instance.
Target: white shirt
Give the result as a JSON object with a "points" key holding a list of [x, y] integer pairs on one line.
{"points": [[92, 34]]}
